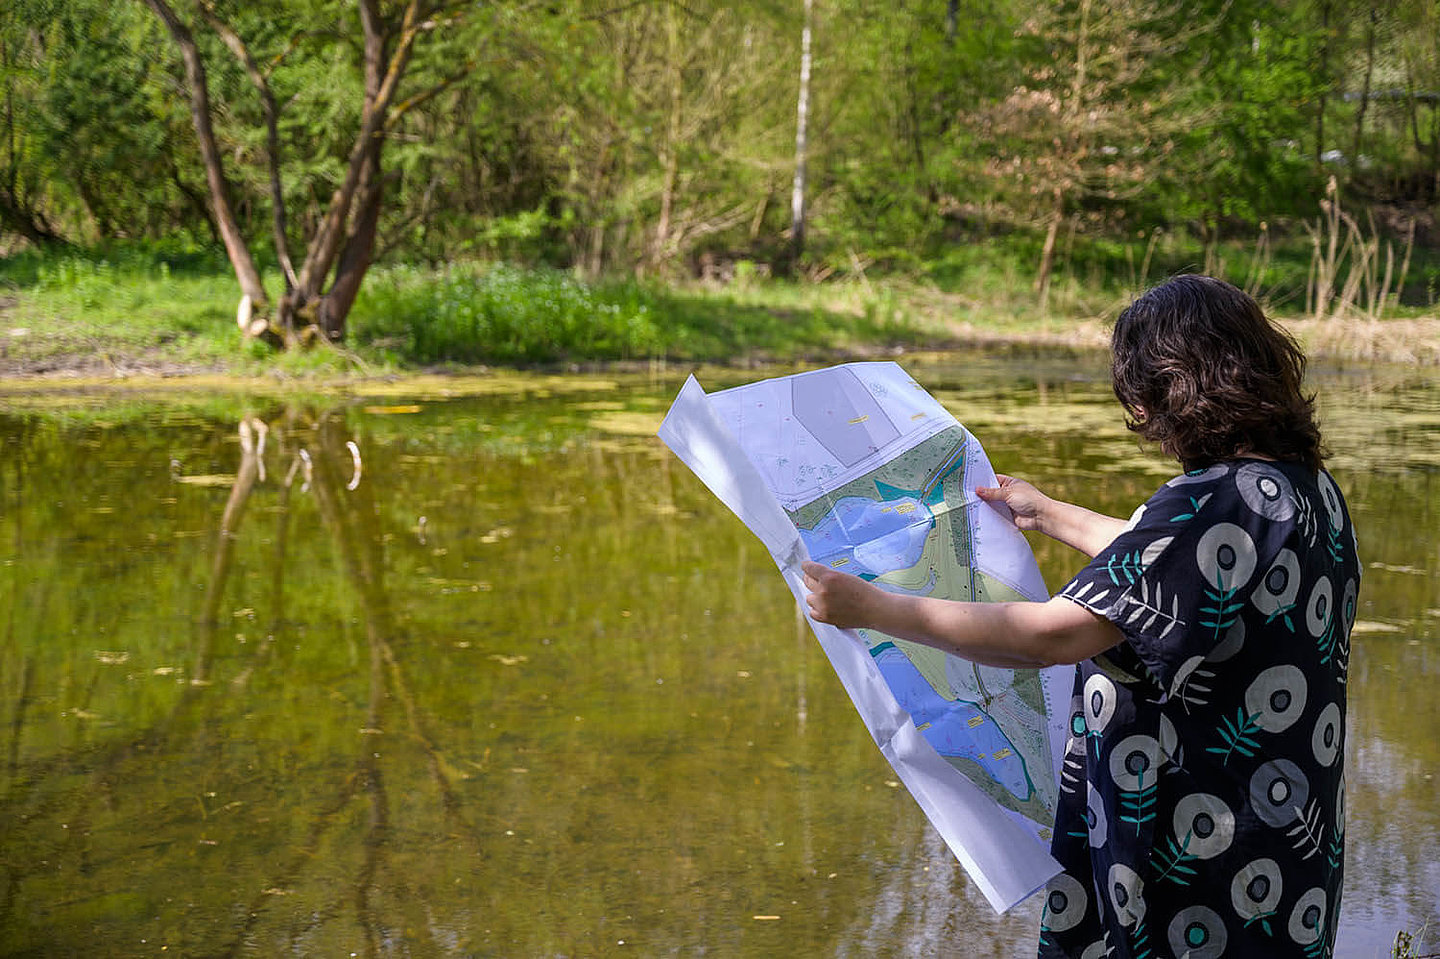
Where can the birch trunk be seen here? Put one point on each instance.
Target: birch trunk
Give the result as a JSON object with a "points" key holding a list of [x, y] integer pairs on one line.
{"points": [[802, 118], [670, 154]]}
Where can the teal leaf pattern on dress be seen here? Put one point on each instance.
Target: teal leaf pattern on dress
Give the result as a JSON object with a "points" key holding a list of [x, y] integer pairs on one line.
{"points": [[1223, 608], [1238, 736], [1138, 805], [1327, 641], [1264, 919], [1140, 941], [1195, 505], [1126, 565], [1332, 545], [1282, 613], [1172, 858], [1335, 851]]}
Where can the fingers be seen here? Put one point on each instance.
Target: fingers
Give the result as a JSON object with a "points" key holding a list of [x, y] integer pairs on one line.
{"points": [[813, 572], [1001, 492], [815, 599]]}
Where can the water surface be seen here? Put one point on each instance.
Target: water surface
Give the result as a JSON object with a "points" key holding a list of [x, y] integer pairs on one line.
{"points": [[495, 676]]}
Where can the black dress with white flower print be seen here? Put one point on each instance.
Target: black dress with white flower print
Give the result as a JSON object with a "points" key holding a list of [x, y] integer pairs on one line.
{"points": [[1202, 807]]}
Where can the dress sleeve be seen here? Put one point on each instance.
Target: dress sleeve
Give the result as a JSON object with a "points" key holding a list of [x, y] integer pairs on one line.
{"points": [[1176, 579]]}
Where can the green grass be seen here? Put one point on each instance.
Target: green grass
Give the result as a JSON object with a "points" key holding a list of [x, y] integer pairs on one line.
{"points": [[123, 301], [170, 306], [1412, 946], [506, 315], [166, 305]]}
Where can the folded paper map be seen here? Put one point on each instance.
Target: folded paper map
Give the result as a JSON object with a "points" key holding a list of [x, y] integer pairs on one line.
{"points": [[858, 467]]}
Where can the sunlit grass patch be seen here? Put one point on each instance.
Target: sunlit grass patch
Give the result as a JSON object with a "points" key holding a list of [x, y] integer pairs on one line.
{"points": [[501, 315], [158, 300], [507, 315]]}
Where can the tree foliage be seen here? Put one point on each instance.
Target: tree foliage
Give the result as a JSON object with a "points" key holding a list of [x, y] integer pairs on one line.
{"points": [[657, 137]]}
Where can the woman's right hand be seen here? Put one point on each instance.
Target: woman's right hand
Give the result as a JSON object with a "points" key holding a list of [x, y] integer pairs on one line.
{"points": [[1028, 505], [1084, 529]]}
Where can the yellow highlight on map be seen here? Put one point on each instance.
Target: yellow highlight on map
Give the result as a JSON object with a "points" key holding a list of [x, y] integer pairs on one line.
{"points": [[974, 721], [859, 419], [905, 508], [1003, 753], [836, 564]]}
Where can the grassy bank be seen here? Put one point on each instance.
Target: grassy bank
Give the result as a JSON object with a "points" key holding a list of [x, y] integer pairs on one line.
{"points": [[169, 309]]}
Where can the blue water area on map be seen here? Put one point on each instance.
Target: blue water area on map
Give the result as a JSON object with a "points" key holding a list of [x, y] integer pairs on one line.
{"points": [[870, 537], [950, 731]]}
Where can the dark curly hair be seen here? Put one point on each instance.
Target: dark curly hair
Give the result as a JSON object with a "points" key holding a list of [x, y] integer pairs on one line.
{"points": [[1200, 370]]}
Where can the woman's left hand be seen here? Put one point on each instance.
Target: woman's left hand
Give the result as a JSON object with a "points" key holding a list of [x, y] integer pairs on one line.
{"points": [[841, 599]]}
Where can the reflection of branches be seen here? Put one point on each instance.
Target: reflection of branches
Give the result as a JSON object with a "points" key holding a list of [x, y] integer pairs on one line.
{"points": [[252, 468], [377, 818], [302, 857], [350, 522], [101, 767], [147, 741], [321, 478], [63, 786], [22, 699]]}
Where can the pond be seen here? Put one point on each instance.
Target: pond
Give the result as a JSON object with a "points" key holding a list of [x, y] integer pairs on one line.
{"points": [[494, 675]]}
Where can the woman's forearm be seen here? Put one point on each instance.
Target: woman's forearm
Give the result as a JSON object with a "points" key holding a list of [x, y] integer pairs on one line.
{"points": [[1008, 635], [1078, 527]]}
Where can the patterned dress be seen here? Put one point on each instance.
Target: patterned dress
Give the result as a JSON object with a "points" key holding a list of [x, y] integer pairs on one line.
{"points": [[1202, 808]]}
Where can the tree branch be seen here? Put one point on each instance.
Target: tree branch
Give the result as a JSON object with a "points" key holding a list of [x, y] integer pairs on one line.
{"points": [[272, 136], [409, 103], [235, 245], [379, 92]]}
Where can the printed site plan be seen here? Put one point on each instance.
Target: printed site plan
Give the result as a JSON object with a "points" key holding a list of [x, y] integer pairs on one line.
{"points": [[858, 467]]}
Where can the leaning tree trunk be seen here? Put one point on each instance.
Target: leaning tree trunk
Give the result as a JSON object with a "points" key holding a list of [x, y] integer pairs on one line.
{"points": [[257, 77], [235, 246], [1047, 252], [355, 260]]}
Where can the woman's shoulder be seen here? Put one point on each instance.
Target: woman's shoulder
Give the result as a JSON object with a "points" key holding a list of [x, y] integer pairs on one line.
{"points": [[1273, 501], [1256, 480], [1245, 490]]}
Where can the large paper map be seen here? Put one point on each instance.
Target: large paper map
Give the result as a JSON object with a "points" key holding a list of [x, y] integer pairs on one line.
{"points": [[858, 467]]}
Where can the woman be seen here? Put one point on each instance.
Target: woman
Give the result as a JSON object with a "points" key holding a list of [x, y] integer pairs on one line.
{"points": [[1202, 793]]}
